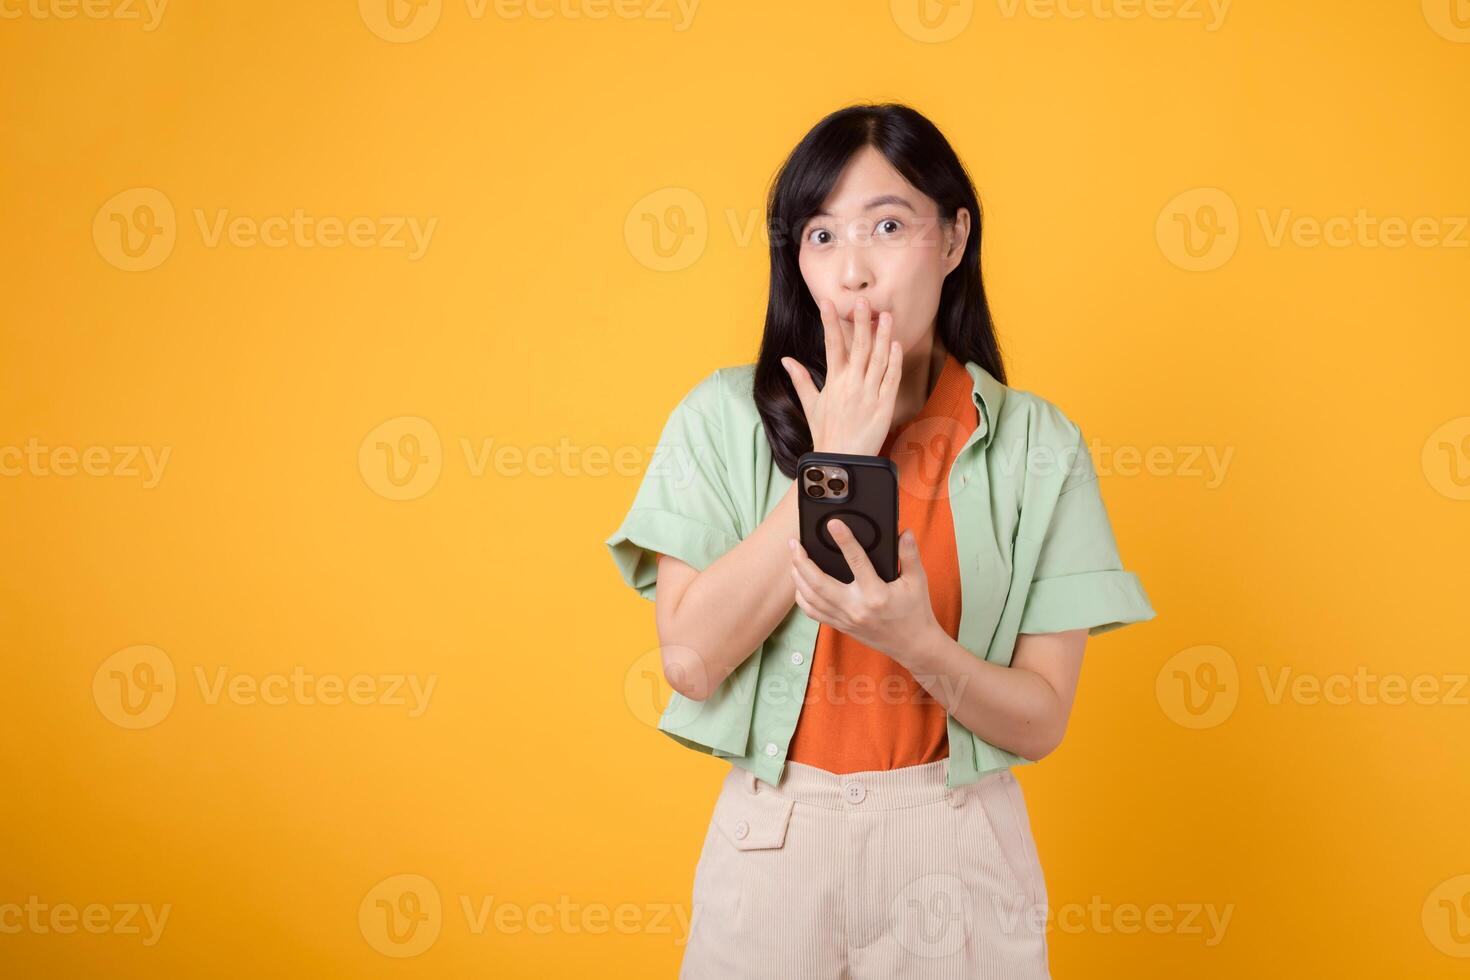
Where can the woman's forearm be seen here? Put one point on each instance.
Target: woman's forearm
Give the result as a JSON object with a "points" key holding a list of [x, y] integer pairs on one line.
{"points": [[1011, 708], [729, 609]]}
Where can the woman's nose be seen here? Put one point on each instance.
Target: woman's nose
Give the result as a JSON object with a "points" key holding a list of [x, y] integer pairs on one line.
{"points": [[856, 273]]}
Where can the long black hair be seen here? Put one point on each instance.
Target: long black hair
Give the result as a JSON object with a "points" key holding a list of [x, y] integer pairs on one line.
{"points": [[916, 149]]}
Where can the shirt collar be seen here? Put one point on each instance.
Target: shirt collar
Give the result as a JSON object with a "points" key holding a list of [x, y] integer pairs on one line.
{"points": [[989, 395]]}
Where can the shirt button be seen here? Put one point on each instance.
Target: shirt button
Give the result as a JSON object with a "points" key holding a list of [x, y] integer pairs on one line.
{"points": [[771, 748], [797, 658], [742, 830], [854, 791]]}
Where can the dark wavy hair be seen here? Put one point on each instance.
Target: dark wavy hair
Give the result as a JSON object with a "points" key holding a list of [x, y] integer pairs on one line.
{"points": [[917, 150]]}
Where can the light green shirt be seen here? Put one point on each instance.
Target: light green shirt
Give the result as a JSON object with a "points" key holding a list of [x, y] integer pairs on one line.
{"points": [[1036, 553]]}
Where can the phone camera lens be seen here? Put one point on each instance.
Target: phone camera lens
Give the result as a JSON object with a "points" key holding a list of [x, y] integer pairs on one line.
{"points": [[836, 486], [815, 491], [814, 474]]}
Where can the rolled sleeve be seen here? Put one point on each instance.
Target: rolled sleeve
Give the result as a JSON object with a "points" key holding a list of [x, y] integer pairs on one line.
{"points": [[1080, 580], [683, 507]]}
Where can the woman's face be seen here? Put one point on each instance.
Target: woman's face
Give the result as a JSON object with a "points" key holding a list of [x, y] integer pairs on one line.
{"points": [[879, 238]]}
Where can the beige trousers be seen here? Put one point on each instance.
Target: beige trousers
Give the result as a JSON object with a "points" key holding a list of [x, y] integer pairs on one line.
{"points": [[868, 875]]}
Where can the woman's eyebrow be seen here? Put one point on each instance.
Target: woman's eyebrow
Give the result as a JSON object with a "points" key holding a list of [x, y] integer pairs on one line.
{"points": [[877, 202]]}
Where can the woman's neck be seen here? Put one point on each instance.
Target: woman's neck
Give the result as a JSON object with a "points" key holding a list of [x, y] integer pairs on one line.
{"points": [[921, 369]]}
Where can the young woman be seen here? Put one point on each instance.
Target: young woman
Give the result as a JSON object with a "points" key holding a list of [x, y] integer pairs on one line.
{"points": [[869, 824]]}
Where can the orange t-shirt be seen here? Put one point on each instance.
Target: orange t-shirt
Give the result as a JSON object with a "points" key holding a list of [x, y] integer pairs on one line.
{"points": [[864, 711]]}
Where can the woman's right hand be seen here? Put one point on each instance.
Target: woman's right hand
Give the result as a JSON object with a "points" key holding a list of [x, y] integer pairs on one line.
{"points": [[854, 408]]}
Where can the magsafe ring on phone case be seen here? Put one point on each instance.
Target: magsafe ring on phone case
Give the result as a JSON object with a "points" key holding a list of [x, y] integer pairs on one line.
{"points": [[861, 526]]}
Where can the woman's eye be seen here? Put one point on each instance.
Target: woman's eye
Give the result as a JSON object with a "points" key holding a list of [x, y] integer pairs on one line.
{"points": [[815, 232], [883, 226]]}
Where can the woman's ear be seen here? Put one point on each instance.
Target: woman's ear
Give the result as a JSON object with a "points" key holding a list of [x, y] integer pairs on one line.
{"points": [[956, 236]]}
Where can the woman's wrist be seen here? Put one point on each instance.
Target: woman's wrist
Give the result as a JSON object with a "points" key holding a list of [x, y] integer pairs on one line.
{"points": [[923, 653]]}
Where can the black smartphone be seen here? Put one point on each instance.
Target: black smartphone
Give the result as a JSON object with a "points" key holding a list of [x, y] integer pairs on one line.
{"points": [[863, 492]]}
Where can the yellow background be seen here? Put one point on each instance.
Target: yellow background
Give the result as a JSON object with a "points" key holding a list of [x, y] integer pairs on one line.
{"points": [[544, 313]]}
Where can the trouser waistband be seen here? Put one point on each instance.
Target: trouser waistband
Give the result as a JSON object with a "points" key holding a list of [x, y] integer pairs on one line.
{"points": [[887, 789]]}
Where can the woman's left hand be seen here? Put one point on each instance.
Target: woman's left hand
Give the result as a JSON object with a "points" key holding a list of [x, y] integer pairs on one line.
{"points": [[887, 616]]}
